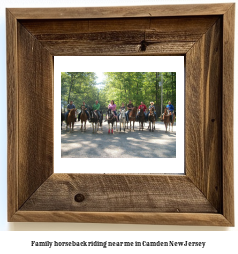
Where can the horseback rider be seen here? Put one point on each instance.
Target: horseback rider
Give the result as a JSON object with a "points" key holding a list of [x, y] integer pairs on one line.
{"points": [[150, 107], [86, 111], [69, 107], [96, 108], [112, 106], [171, 109], [143, 107], [129, 108], [121, 108]]}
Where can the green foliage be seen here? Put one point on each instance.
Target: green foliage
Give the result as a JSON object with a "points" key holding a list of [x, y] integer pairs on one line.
{"points": [[78, 87], [139, 86], [120, 87]]}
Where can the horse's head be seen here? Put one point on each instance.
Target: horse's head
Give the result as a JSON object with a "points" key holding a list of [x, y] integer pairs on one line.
{"points": [[152, 111], [95, 113], [109, 113], [72, 112], [123, 113], [141, 112], [90, 112], [166, 111]]}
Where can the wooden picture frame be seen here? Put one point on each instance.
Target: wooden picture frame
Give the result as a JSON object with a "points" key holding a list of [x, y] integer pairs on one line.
{"points": [[204, 34]]}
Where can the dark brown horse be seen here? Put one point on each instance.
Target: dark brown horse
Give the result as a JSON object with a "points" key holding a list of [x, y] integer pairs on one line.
{"points": [[111, 118], [151, 118], [132, 117], [71, 118], [94, 119], [141, 118], [83, 118]]}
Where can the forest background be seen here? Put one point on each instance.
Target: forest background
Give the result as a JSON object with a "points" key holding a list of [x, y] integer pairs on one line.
{"points": [[159, 87]]}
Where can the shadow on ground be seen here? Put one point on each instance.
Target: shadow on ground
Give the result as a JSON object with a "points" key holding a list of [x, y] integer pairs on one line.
{"points": [[129, 144]]}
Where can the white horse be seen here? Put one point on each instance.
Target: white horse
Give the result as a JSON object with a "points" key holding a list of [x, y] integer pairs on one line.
{"points": [[123, 119]]}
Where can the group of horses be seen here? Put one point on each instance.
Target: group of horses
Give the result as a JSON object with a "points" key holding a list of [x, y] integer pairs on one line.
{"points": [[112, 119]]}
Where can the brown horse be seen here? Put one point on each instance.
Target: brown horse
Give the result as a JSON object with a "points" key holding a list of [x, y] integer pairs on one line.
{"points": [[172, 118], [132, 117], [83, 118], [71, 118], [151, 118], [141, 118], [166, 118]]}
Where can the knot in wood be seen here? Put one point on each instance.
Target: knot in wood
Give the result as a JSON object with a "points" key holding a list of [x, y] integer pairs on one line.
{"points": [[79, 198], [143, 45]]}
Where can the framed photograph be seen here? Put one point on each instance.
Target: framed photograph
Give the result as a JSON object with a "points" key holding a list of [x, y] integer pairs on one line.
{"points": [[123, 79], [202, 34]]}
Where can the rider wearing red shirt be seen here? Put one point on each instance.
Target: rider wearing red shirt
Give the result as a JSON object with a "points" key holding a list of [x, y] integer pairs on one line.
{"points": [[143, 106]]}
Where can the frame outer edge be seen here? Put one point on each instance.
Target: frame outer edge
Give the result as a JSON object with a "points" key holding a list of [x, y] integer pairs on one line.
{"points": [[227, 124], [227, 114], [121, 11], [186, 219], [12, 113]]}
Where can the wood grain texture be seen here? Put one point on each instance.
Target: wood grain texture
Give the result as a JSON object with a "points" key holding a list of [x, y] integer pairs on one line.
{"points": [[192, 219], [35, 114], [121, 11], [119, 36], [203, 144], [12, 114], [34, 36], [228, 113], [114, 193]]}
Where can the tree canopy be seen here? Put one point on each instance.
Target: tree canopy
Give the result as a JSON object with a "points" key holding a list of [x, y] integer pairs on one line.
{"points": [[120, 87]]}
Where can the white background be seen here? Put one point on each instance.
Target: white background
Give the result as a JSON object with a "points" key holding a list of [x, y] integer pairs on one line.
{"points": [[20, 241], [120, 64]]}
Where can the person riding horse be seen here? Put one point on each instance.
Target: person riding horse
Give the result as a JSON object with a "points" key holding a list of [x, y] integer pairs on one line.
{"points": [[150, 107], [69, 107], [112, 106], [143, 107], [129, 108], [121, 108], [86, 111], [171, 109], [96, 108]]}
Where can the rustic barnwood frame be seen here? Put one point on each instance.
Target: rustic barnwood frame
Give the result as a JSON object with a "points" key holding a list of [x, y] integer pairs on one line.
{"points": [[204, 34]]}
